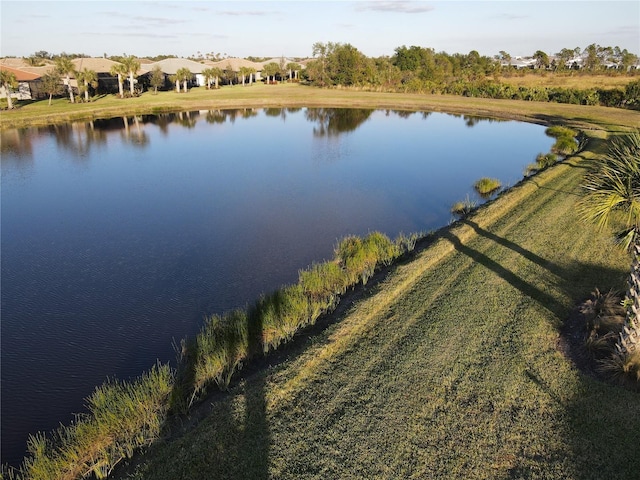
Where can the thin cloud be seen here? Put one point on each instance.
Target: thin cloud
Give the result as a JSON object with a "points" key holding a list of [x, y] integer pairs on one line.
{"points": [[396, 7], [253, 13], [510, 16], [134, 35], [154, 21]]}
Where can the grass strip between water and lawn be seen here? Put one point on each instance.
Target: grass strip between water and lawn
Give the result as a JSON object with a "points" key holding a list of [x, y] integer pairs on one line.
{"points": [[447, 367]]}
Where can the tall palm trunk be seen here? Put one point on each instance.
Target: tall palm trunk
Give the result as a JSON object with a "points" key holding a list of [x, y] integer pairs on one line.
{"points": [[120, 86], [7, 89], [86, 91], [629, 341], [71, 97], [131, 89]]}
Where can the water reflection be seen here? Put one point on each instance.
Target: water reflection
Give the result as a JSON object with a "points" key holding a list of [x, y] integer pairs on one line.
{"points": [[332, 122], [134, 135], [15, 143]]}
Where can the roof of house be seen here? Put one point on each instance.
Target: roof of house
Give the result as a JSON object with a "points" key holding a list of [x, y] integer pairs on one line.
{"points": [[98, 65], [20, 74], [235, 64], [171, 65]]}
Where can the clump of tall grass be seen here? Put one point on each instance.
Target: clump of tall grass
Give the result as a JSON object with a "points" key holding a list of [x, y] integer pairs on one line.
{"points": [[123, 416], [565, 146], [487, 186], [557, 131], [566, 143], [463, 208]]}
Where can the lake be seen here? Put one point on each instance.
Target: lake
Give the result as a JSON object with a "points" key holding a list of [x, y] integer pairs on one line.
{"points": [[119, 236]]}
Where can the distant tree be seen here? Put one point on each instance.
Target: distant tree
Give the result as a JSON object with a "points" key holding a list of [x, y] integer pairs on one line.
{"points": [[86, 78], [43, 55], [119, 70], [34, 61], [542, 59], [66, 68], [131, 66], [318, 71], [175, 79], [243, 72], [505, 57], [157, 79], [183, 75], [229, 74], [270, 70], [627, 60], [593, 59], [293, 68], [217, 75], [208, 75], [251, 72], [51, 84], [564, 57], [9, 82]]}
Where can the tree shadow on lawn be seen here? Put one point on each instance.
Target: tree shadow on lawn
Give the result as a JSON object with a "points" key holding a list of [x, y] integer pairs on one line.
{"points": [[602, 421]]}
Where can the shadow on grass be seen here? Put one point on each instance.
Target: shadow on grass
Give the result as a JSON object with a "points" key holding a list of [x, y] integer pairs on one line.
{"points": [[601, 421], [545, 300]]}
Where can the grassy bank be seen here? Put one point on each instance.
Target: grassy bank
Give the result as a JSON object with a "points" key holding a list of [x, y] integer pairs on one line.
{"points": [[447, 369], [295, 95]]}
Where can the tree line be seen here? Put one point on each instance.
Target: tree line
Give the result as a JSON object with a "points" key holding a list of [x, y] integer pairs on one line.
{"points": [[417, 69]]}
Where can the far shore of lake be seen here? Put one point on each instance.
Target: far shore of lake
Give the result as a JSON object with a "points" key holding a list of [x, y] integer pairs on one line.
{"points": [[39, 113]]}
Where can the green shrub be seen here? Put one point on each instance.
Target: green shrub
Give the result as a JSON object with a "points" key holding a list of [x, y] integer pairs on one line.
{"points": [[557, 131], [565, 146], [545, 160], [487, 186]]}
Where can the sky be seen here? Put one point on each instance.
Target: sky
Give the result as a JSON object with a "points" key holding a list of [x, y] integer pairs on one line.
{"points": [[290, 28]]}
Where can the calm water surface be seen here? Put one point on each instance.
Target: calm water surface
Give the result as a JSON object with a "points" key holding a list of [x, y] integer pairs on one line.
{"points": [[119, 237]]}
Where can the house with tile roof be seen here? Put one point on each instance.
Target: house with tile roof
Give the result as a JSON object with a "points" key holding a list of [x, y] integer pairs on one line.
{"points": [[28, 84]]}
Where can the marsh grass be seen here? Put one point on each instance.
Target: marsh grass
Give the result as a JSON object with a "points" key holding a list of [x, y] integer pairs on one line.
{"points": [[123, 417], [464, 208], [487, 186]]}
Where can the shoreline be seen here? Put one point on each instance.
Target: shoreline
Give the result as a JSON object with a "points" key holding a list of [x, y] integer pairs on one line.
{"points": [[38, 113]]}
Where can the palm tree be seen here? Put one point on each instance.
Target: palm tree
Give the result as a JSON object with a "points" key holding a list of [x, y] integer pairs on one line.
{"points": [[208, 75], [9, 82], [613, 188], [243, 72], [87, 78], [119, 70], [175, 79], [251, 72], [131, 67], [65, 67], [183, 75], [50, 83], [613, 185], [271, 69], [293, 68], [217, 75]]}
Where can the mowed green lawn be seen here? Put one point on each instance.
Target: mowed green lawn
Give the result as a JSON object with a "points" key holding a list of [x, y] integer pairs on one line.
{"points": [[448, 368]]}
